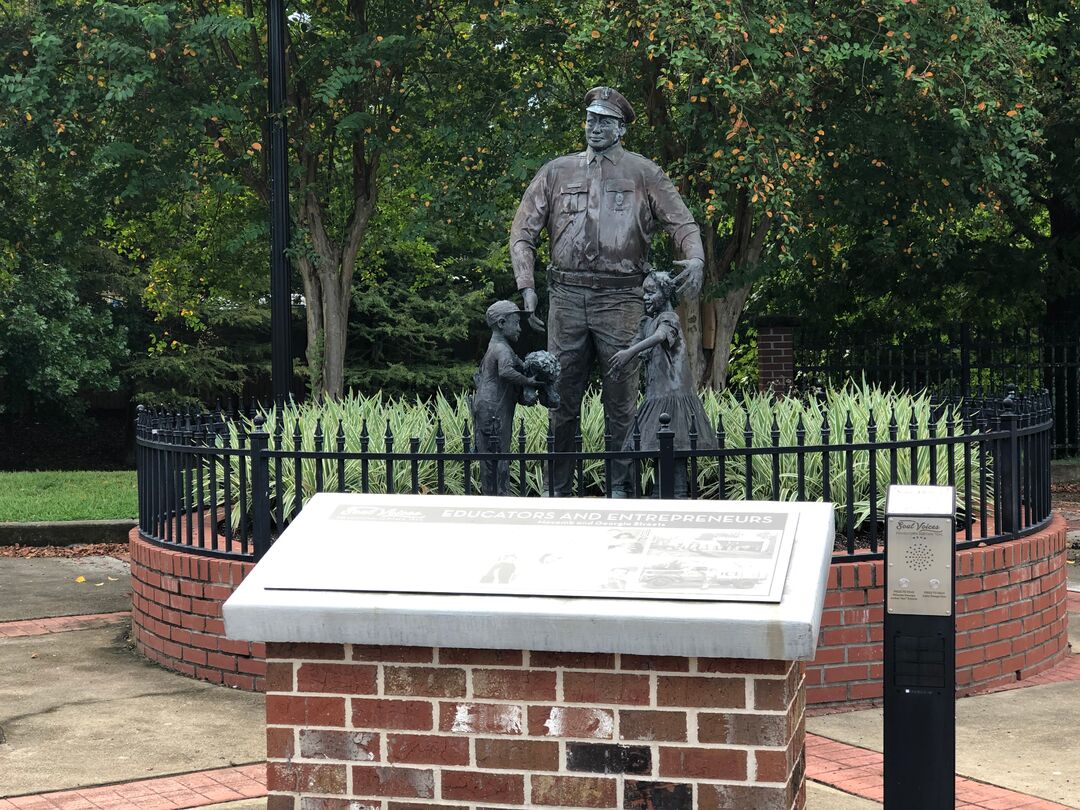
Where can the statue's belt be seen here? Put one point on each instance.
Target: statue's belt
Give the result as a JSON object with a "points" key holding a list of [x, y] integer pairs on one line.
{"points": [[595, 281]]}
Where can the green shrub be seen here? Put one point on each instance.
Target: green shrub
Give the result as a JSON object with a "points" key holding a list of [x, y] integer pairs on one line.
{"points": [[766, 419]]}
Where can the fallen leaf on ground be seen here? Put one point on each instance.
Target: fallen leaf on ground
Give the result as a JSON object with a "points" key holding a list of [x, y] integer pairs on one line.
{"points": [[80, 579]]}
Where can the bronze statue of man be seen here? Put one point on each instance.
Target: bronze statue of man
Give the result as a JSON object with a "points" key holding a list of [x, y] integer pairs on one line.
{"points": [[600, 208]]}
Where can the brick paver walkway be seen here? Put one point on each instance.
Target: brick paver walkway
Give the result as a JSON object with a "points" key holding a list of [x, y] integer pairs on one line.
{"points": [[162, 793], [60, 624], [859, 771]]}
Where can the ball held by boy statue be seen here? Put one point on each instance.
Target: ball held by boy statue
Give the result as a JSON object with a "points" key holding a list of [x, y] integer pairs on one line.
{"points": [[600, 209]]}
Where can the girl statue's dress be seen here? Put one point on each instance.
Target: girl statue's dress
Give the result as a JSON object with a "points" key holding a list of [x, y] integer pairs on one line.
{"points": [[669, 388]]}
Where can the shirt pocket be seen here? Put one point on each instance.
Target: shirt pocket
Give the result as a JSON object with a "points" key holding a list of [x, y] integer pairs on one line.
{"points": [[619, 194], [573, 198]]}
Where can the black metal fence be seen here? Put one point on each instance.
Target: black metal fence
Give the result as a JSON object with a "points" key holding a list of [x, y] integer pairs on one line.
{"points": [[226, 485], [963, 359]]}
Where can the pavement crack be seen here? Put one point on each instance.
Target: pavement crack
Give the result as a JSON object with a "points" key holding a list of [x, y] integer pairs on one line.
{"points": [[93, 702]]}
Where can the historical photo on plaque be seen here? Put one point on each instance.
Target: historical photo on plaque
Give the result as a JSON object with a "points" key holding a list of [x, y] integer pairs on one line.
{"points": [[606, 551]]}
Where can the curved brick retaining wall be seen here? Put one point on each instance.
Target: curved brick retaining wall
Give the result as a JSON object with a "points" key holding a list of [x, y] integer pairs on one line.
{"points": [[1011, 620], [176, 601]]}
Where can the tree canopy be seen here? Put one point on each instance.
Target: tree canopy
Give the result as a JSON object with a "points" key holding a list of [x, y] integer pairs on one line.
{"points": [[832, 153]]}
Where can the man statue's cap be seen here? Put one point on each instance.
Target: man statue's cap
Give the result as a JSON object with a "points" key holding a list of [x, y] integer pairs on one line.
{"points": [[500, 309], [609, 101]]}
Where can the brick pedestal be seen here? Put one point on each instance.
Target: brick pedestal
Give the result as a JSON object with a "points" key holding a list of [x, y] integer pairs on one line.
{"points": [[354, 727]]}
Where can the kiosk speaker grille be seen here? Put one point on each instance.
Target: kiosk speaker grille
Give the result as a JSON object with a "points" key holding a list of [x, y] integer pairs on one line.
{"points": [[919, 556]]}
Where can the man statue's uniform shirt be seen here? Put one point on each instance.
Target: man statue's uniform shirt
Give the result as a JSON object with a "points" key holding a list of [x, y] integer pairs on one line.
{"points": [[600, 212]]}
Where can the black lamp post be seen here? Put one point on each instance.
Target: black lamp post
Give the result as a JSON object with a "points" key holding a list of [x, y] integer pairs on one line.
{"points": [[278, 161]]}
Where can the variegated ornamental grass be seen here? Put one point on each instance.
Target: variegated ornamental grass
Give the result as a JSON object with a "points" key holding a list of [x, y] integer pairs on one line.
{"points": [[442, 424]]}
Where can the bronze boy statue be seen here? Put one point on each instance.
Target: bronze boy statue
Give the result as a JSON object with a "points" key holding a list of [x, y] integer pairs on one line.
{"points": [[501, 383]]}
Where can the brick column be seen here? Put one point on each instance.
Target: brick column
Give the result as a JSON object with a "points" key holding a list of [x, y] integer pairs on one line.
{"points": [[358, 727], [776, 353]]}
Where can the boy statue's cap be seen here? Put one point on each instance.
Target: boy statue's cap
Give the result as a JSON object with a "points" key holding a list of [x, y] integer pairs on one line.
{"points": [[609, 101], [500, 309]]}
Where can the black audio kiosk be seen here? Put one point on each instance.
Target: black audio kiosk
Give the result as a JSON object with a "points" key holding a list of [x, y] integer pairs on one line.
{"points": [[920, 648]]}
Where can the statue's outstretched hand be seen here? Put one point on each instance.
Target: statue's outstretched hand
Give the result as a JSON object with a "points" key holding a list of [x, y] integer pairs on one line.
{"points": [[528, 297], [618, 362], [689, 281]]}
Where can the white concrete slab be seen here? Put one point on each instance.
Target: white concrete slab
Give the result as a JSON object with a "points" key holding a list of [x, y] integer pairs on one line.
{"points": [[908, 499], [312, 585]]}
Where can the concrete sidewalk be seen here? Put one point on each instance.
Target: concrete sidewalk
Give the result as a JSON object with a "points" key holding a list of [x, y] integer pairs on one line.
{"points": [[81, 712]]}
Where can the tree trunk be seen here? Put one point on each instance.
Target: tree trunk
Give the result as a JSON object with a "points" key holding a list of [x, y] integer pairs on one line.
{"points": [[328, 291], [718, 318], [696, 316], [313, 319], [692, 318], [335, 313], [726, 314]]}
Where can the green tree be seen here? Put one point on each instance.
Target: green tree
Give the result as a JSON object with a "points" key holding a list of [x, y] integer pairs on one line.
{"points": [[61, 311], [200, 258], [776, 119], [55, 338], [800, 135], [1046, 214], [909, 229], [52, 344], [180, 89]]}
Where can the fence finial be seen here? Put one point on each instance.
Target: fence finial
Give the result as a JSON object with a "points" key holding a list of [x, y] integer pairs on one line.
{"points": [[1008, 404]]}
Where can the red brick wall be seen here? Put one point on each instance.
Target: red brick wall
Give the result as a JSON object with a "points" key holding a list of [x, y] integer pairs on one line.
{"points": [[1011, 620], [176, 601], [467, 728]]}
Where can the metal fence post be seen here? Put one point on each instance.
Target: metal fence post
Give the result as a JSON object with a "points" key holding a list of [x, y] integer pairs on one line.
{"points": [[665, 464], [141, 482], [260, 488], [1008, 466]]}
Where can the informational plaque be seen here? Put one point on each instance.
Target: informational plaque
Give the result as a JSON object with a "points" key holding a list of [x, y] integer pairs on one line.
{"points": [[647, 577], [920, 539], [597, 549]]}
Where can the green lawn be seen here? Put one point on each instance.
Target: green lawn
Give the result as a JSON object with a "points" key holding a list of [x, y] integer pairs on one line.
{"points": [[29, 496]]}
